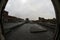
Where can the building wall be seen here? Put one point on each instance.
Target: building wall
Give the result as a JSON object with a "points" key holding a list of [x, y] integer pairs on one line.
{"points": [[14, 19], [5, 16]]}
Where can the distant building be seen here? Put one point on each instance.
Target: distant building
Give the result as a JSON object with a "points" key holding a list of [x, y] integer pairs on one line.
{"points": [[40, 20], [27, 20], [14, 19], [5, 16]]}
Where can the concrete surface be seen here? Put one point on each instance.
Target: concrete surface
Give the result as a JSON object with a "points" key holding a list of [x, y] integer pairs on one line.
{"points": [[23, 33], [11, 25], [8, 27]]}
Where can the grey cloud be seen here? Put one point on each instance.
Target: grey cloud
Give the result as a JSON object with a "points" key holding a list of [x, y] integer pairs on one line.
{"points": [[31, 9]]}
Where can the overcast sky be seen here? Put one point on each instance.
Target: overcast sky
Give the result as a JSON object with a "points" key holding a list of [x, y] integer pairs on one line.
{"points": [[31, 9]]}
